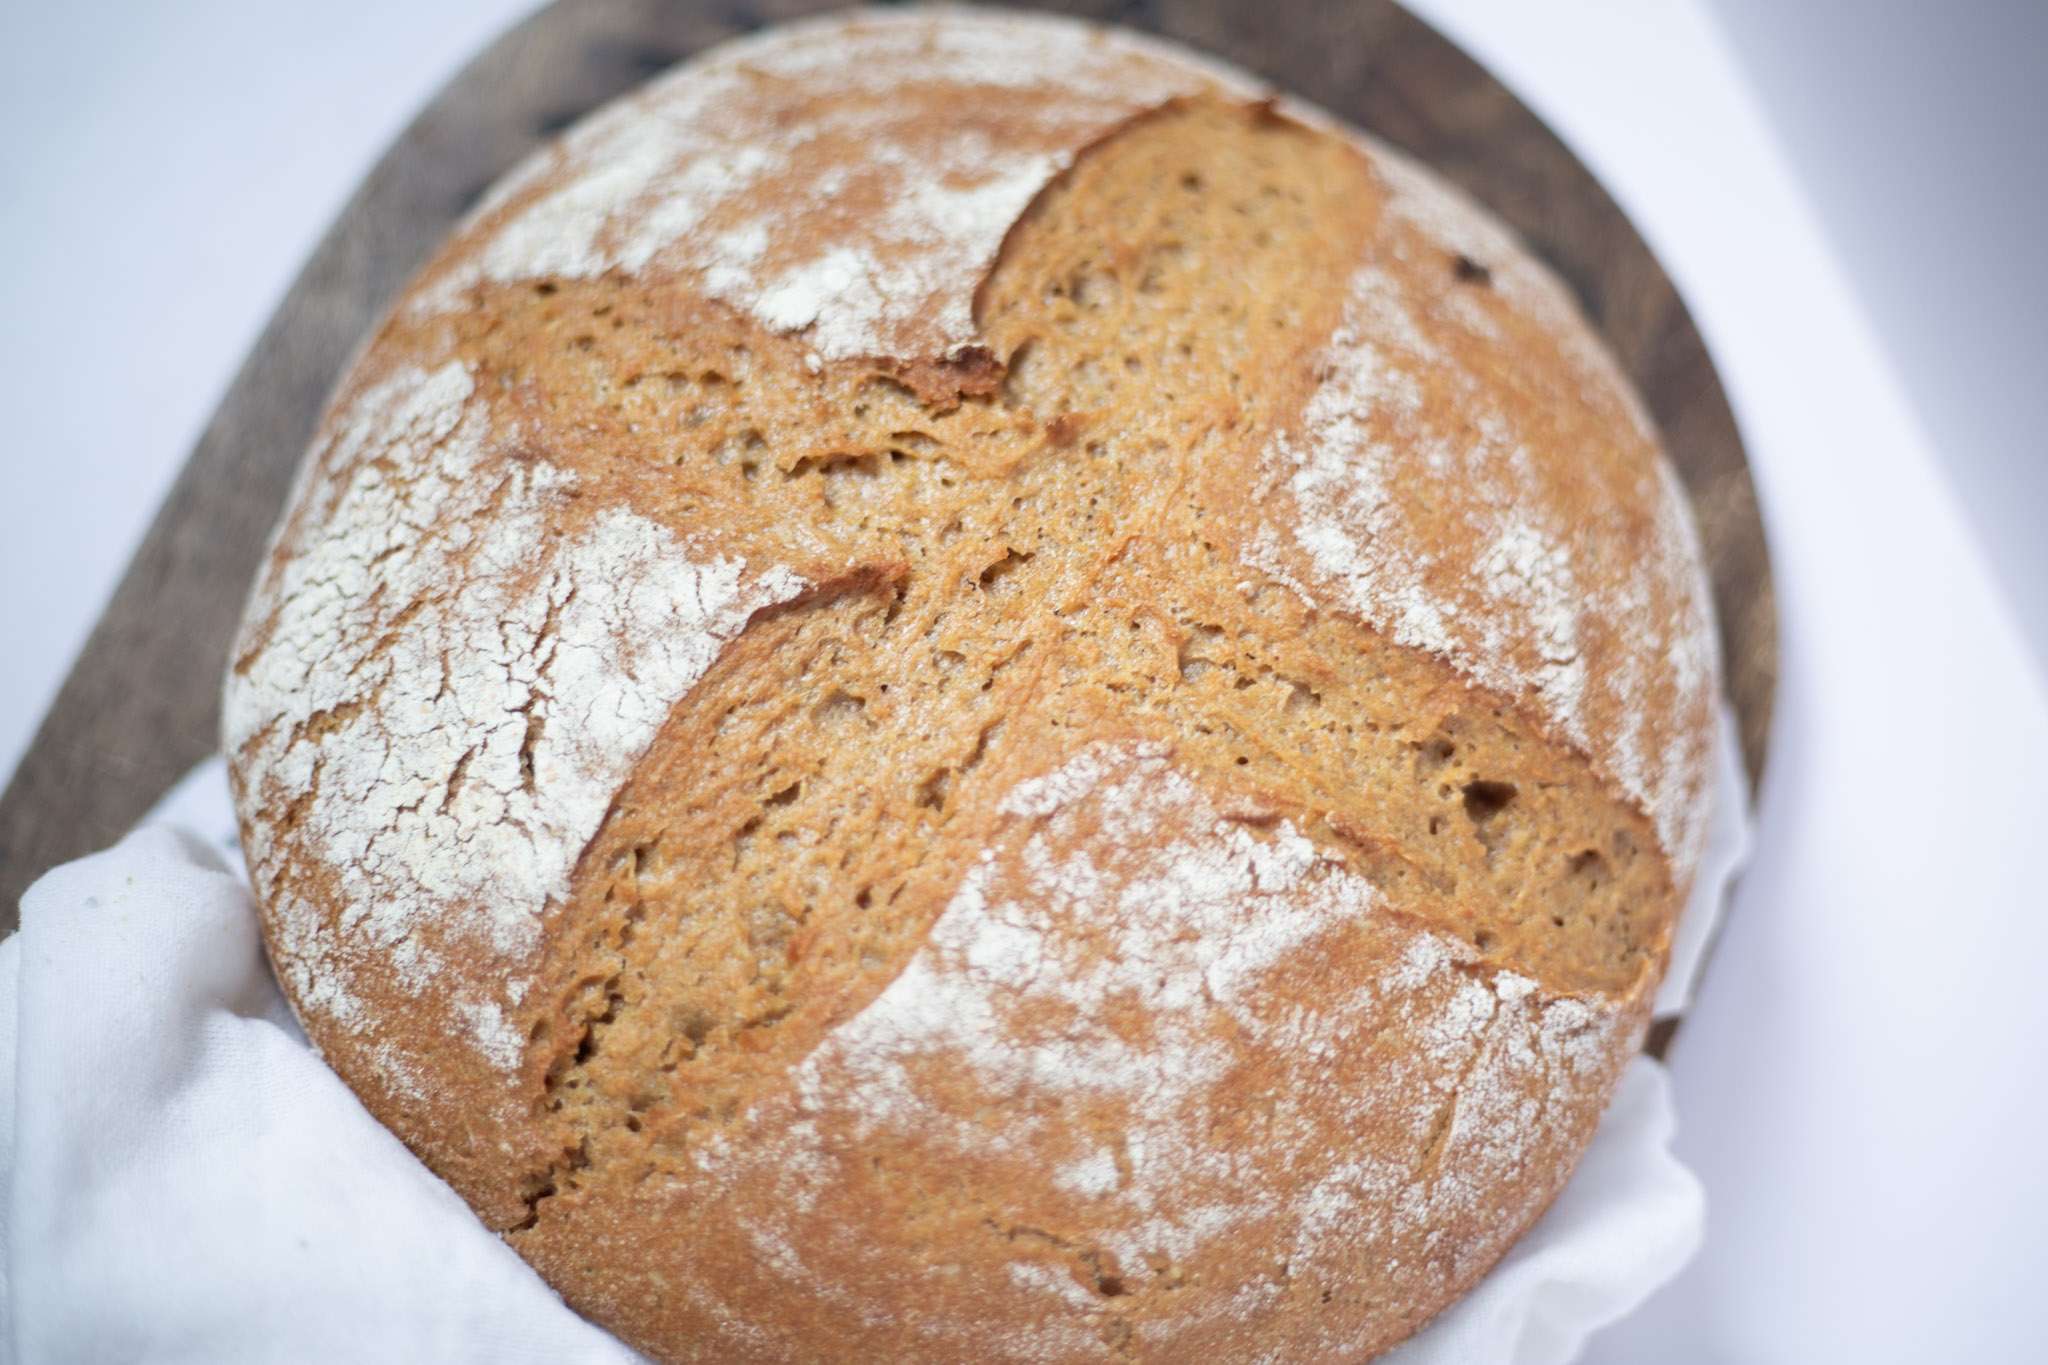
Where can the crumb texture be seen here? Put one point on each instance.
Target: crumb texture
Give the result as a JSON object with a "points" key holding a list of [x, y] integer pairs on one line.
{"points": [[950, 690]]}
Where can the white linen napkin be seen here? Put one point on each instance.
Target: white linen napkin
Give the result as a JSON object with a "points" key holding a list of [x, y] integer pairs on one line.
{"points": [[182, 1178]]}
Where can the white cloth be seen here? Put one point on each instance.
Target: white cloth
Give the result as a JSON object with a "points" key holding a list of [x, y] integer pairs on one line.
{"points": [[185, 1180], [189, 1182]]}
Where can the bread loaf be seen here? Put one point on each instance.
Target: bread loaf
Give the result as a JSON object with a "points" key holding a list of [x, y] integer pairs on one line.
{"points": [[956, 688]]}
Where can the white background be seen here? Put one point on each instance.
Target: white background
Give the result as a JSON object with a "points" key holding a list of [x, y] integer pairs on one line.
{"points": [[1849, 194]]}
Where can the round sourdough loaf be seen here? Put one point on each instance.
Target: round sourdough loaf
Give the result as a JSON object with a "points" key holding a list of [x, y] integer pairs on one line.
{"points": [[952, 688]]}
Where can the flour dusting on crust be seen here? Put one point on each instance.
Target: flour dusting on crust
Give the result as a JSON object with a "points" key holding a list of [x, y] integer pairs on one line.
{"points": [[445, 693], [802, 179], [1508, 595], [1129, 895]]}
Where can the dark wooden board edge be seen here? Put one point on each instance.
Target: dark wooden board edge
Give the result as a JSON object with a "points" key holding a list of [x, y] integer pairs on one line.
{"points": [[141, 704]]}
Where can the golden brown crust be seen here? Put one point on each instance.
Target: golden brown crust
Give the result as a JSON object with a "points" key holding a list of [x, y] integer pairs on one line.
{"points": [[1242, 1113], [1054, 715]]}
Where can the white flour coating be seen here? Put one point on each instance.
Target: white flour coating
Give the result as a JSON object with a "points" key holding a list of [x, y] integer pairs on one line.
{"points": [[1134, 895], [494, 1035], [1671, 785], [1511, 612], [1683, 808], [449, 693], [707, 171], [1352, 522]]}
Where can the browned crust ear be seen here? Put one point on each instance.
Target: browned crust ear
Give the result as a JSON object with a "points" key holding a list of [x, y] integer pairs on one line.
{"points": [[965, 372]]}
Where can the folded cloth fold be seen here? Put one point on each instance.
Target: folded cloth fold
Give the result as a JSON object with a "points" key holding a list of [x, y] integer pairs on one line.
{"points": [[182, 1178]]}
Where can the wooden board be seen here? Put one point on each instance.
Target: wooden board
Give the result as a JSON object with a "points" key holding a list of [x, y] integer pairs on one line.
{"points": [[142, 704]]}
